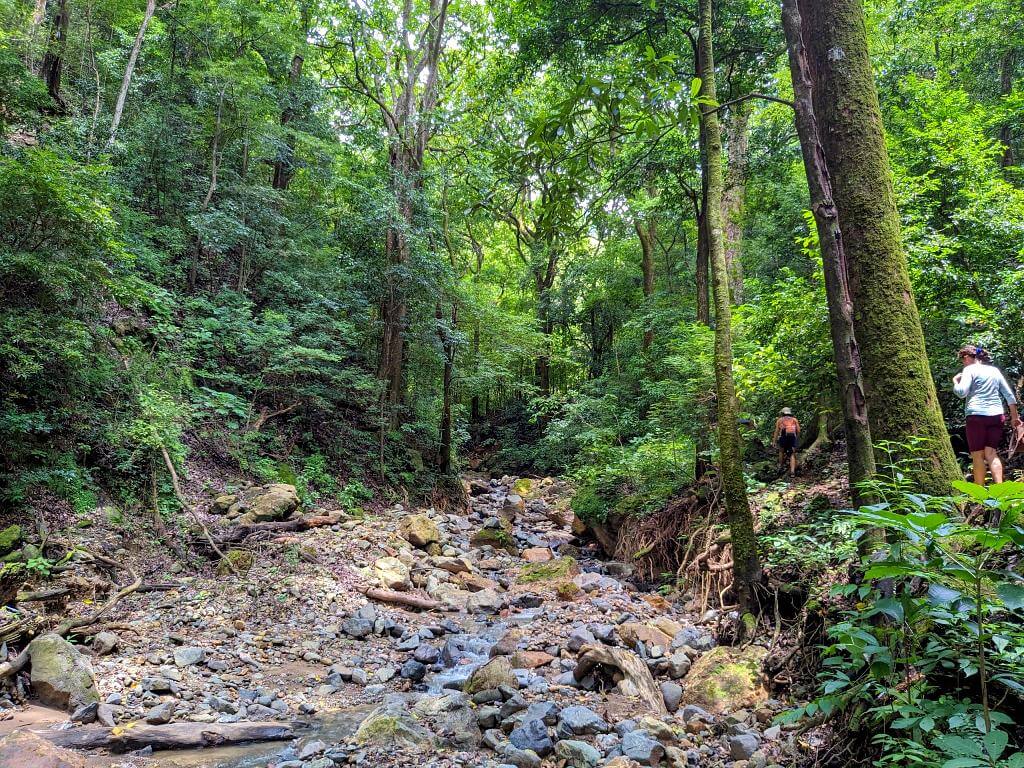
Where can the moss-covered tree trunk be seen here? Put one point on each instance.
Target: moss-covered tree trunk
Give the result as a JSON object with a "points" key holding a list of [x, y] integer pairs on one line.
{"points": [[833, 258], [734, 196], [898, 385], [647, 231], [746, 565]]}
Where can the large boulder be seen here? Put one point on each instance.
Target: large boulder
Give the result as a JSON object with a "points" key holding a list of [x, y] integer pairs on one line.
{"points": [[391, 572], [272, 502], [392, 725], [24, 749], [61, 676], [10, 539], [419, 530], [726, 679]]}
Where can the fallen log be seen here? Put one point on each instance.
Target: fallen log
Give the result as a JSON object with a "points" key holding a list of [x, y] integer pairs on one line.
{"points": [[636, 678], [240, 533], [401, 598], [137, 735]]}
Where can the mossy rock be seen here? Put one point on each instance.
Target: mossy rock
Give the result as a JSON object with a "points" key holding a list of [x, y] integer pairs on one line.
{"points": [[726, 679], [499, 538], [568, 591], [492, 675], [241, 559], [553, 570], [10, 539], [384, 729]]}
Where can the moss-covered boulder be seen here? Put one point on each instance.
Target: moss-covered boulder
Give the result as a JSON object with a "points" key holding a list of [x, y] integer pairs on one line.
{"points": [[726, 679], [241, 559], [10, 539], [492, 675], [392, 725], [61, 676], [553, 570]]}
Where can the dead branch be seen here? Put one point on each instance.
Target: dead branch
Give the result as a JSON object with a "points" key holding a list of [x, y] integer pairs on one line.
{"points": [[401, 598]]}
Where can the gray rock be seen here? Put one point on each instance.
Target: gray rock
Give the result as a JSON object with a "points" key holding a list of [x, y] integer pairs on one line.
{"points": [[532, 735], [61, 676], [189, 656], [672, 693], [580, 637], [311, 749], [743, 746], [693, 712], [413, 670], [637, 745], [357, 628], [546, 711], [578, 720], [86, 713], [520, 758], [160, 714], [105, 716], [577, 754], [678, 665], [773, 733], [694, 637], [427, 654], [105, 642]]}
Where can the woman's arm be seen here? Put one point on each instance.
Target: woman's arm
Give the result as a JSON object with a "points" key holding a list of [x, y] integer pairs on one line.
{"points": [[962, 383]]}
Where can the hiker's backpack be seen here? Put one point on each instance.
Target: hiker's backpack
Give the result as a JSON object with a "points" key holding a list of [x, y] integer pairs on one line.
{"points": [[789, 425]]}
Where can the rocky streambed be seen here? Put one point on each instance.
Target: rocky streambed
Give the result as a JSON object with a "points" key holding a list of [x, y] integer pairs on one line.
{"points": [[532, 651]]}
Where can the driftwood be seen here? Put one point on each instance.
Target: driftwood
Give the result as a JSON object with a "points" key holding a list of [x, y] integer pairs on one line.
{"points": [[401, 598], [43, 595], [240, 533], [18, 663], [636, 679], [137, 735]]}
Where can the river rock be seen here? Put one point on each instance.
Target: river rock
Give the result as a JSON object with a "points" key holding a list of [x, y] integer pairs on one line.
{"points": [[693, 637], [672, 693], [537, 554], [104, 643], [491, 676], [638, 745], [632, 633], [270, 502], [419, 530], [578, 720], [392, 725], [577, 754], [450, 716], [484, 601], [532, 735], [160, 714], [726, 679], [189, 656], [391, 573], [24, 749], [635, 678], [61, 676], [743, 746]]}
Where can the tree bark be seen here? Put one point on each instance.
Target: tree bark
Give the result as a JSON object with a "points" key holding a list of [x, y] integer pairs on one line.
{"points": [[53, 61], [703, 253], [129, 71], [647, 232], [833, 258], [746, 564], [898, 386], [446, 335], [733, 197], [284, 166]]}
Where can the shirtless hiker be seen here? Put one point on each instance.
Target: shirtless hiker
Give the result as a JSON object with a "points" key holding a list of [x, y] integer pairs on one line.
{"points": [[786, 437]]}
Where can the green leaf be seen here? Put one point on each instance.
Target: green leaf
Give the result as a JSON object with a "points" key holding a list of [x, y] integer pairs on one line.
{"points": [[975, 491], [995, 743], [1012, 595], [695, 87], [963, 762]]}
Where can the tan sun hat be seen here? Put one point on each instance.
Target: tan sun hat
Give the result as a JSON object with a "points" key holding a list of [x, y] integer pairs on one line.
{"points": [[786, 412]]}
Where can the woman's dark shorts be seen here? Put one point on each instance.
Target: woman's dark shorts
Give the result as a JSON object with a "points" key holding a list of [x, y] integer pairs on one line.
{"points": [[984, 432], [787, 442]]}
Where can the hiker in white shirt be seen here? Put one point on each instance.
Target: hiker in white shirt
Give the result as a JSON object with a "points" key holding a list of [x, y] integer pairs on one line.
{"points": [[984, 388]]}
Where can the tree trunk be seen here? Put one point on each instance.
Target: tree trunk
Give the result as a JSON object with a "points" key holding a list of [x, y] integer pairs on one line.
{"points": [[444, 454], [647, 232], [129, 70], [284, 166], [703, 254], [732, 199], [53, 62], [1005, 89], [746, 564], [898, 386], [837, 290]]}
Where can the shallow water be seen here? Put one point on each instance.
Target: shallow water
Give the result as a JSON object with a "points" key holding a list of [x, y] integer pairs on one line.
{"points": [[330, 727], [462, 654]]}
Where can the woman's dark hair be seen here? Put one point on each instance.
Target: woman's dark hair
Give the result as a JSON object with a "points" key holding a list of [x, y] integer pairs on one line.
{"points": [[977, 352]]}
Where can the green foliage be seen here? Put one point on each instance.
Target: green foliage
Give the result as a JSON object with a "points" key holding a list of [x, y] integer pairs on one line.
{"points": [[925, 663]]}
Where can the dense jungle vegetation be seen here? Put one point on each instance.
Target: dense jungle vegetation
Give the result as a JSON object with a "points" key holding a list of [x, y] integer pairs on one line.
{"points": [[364, 247]]}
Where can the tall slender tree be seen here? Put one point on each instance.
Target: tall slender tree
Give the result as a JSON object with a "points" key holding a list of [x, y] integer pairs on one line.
{"points": [[833, 257], [901, 397], [746, 564]]}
